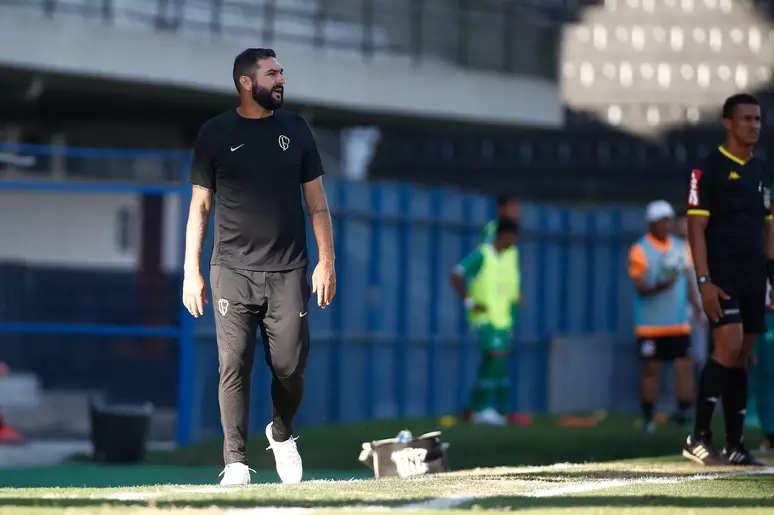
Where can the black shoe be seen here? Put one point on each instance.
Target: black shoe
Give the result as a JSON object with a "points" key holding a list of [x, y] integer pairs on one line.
{"points": [[701, 450], [738, 455]]}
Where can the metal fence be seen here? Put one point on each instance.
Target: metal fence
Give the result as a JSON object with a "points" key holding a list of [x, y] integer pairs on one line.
{"points": [[476, 34], [393, 344]]}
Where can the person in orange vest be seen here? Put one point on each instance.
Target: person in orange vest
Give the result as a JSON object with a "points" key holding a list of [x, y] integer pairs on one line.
{"points": [[665, 303]]}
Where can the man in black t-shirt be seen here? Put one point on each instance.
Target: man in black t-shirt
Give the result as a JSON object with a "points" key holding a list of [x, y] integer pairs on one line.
{"points": [[732, 244], [254, 161]]}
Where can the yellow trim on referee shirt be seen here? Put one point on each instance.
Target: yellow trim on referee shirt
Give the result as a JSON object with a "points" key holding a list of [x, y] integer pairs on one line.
{"points": [[769, 218], [698, 212], [731, 156]]}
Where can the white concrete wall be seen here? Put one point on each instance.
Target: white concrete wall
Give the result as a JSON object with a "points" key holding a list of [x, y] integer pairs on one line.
{"points": [[81, 230], [172, 242]]}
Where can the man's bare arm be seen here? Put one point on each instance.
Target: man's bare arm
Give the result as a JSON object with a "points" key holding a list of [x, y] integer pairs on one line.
{"points": [[196, 228], [646, 290], [320, 217], [696, 227], [458, 283], [693, 293]]}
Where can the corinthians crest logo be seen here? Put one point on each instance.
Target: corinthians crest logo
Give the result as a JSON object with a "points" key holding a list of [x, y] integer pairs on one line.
{"points": [[284, 142]]}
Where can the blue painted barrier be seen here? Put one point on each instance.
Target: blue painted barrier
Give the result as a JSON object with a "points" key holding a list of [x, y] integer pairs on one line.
{"points": [[395, 342]]}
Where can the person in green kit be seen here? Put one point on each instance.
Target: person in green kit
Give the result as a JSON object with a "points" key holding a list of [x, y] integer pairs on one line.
{"points": [[487, 280], [507, 208]]}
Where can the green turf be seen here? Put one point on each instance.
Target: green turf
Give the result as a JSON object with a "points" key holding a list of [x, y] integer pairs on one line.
{"points": [[494, 489], [732, 493], [338, 447], [331, 453]]}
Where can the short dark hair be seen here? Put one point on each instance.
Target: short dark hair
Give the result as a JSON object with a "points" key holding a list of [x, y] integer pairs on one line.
{"points": [[247, 62], [504, 199], [507, 226], [729, 106]]}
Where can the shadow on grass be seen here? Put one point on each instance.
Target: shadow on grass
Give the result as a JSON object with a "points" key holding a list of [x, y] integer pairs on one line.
{"points": [[252, 502], [510, 503]]}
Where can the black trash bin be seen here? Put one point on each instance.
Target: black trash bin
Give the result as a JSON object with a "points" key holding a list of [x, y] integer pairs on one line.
{"points": [[119, 432]]}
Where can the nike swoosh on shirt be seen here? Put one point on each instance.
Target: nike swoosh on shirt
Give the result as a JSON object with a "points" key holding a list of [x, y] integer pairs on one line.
{"points": [[237, 148]]}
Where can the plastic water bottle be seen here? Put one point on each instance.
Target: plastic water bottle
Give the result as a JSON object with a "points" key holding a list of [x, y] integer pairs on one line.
{"points": [[404, 436]]}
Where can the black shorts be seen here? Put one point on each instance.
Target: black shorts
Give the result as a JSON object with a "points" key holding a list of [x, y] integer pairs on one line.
{"points": [[746, 285], [666, 348]]}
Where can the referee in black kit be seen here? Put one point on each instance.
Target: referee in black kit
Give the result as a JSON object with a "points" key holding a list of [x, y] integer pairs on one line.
{"points": [[730, 233], [255, 160]]}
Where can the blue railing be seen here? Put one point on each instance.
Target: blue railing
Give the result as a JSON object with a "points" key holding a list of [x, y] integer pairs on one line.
{"points": [[22, 161], [395, 342]]}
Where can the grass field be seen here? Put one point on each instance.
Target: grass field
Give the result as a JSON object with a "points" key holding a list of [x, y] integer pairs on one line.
{"points": [[613, 478]]}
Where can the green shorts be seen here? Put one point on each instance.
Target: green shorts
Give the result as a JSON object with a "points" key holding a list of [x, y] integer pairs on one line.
{"points": [[491, 339]]}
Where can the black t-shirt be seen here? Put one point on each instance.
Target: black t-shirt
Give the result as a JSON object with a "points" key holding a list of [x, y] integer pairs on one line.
{"points": [[736, 197], [255, 168]]}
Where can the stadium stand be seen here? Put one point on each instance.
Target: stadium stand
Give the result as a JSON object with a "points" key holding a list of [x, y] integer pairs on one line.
{"points": [[642, 80]]}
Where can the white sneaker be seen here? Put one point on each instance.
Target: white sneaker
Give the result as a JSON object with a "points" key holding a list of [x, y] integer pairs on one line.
{"points": [[289, 466], [236, 474], [489, 416]]}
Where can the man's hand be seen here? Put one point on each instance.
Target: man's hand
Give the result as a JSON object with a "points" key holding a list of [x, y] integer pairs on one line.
{"points": [[771, 298], [194, 293], [646, 290], [710, 301], [324, 283], [470, 304], [666, 284]]}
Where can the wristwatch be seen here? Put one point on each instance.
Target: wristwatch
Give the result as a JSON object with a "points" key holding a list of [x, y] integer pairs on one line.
{"points": [[703, 279]]}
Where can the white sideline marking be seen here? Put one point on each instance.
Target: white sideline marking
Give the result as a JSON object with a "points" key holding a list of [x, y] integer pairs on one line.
{"points": [[613, 483], [146, 495], [130, 496]]}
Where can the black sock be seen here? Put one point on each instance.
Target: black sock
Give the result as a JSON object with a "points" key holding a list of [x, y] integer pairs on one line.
{"points": [[735, 405], [711, 385], [647, 411]]}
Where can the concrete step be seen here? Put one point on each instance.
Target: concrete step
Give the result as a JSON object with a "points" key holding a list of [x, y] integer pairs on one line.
{"points": [[65, 414], [19, 391]]}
